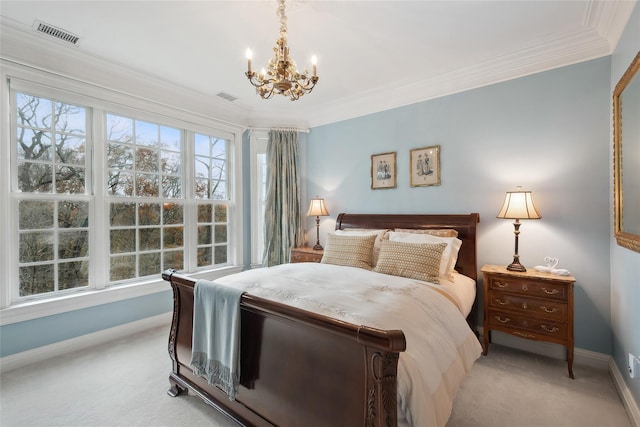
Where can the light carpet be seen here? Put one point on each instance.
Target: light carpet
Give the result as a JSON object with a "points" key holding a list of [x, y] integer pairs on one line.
{"points": [[124, 383]]}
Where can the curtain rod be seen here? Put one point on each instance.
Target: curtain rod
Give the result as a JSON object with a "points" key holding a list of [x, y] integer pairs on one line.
{"points": [[281, 128]]}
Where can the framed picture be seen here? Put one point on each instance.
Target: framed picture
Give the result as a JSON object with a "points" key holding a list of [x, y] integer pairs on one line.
{"points": [[383, 171], [425, 166]]}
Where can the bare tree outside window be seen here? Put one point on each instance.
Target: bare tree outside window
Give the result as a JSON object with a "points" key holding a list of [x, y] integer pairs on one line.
{"points": [[53, 230], [144, 207], [144, 164]]}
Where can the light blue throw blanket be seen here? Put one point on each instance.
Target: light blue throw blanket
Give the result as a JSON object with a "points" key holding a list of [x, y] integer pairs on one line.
{"points": [[215, 352]]}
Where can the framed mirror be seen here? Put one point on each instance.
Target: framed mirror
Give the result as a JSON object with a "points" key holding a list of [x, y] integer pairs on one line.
{"points": [[626, 157]]}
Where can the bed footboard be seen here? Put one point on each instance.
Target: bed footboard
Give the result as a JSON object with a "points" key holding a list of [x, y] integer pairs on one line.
{"points": [[297, 368]]}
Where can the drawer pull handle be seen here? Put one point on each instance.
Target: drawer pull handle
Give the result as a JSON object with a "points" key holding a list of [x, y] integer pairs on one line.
{"points": [[525, 287], [524, 335], [548, 329], [549, 310], [501, 285], [524, 306], [550, 292], [501, 302], [501, 320]]}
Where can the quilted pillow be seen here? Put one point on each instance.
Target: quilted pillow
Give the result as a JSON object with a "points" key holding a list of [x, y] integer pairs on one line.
{"points": [[366, 232], [440, 232], [351, 251], [412, 260], [449, 256]]}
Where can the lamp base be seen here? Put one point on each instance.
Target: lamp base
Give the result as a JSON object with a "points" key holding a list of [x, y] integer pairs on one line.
{"points": [[516, 266], [318, 247]]}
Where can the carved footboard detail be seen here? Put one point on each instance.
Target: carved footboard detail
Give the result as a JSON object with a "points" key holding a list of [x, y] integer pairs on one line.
{"points": [[174, 320], [382, 391]]}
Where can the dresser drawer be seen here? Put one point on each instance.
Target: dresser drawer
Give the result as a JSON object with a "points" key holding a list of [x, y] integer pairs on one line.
{"points": [[298, 257], [532, 326], [522, 286], [306, 255], [539, 308]]}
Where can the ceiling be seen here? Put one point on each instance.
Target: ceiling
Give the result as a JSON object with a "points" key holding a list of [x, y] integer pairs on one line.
{"points": [[372, 55]]}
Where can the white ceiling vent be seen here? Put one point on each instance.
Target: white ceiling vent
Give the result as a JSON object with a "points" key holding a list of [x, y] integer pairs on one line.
{"points": [[226, 96], [56, 33]]}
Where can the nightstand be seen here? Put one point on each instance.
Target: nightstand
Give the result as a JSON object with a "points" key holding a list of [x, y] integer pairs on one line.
{"points": [[306, 254], [531, 304]]}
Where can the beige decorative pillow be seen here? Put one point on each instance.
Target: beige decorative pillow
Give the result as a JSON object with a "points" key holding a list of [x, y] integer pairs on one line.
{"points": [[351, 251], [449, 256], [440, 232], [366, 232], [413, 260]]}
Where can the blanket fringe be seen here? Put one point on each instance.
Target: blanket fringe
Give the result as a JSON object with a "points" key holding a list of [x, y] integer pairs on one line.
{"points": [[215, 373]]}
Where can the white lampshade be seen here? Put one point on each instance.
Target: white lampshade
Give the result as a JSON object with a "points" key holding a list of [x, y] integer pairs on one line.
{"points": [[317, 207], [519, 205]]}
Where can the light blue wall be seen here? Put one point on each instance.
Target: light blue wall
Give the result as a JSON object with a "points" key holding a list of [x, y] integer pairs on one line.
{"points": [[625, 264], [23, 336], [548, 132]]}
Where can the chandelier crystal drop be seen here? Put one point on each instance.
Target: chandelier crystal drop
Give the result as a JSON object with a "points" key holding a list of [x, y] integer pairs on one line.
{"points": [[282, 75]]}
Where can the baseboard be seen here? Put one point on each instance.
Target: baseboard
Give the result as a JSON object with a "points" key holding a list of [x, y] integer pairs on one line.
{"points": [[630, 404], [19, 360], [555, 351]]}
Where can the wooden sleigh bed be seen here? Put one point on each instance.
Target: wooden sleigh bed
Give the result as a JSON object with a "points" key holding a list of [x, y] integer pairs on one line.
{"points": [[299, 368]]}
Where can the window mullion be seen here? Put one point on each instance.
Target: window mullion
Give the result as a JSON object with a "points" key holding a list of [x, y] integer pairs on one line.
{"points": [[191, 207], [100, 204]]}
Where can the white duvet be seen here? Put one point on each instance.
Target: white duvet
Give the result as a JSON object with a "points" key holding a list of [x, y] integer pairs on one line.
{"points": [[441, 348]]}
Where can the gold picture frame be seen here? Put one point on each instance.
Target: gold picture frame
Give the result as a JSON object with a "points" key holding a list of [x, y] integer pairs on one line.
{"points": [[424, 168], [383, 171], [626, 224]]}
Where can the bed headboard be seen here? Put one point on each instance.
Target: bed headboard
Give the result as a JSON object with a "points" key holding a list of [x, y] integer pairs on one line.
{"points": [[465, 225]]}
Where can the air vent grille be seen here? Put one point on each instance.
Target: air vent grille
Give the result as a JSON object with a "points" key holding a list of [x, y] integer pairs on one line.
{"points": [[56, 33], [226, 96]]}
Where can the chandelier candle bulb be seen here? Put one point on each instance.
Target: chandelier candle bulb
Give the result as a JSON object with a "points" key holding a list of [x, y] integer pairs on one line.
{"points": [[249, 55], [314, 62]]}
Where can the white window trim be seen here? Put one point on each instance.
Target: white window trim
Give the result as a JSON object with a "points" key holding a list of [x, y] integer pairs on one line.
{"points": [[258, 140], [107, 99]]}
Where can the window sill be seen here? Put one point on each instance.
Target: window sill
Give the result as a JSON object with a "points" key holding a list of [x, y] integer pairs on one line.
{"points": [[42, 308]]}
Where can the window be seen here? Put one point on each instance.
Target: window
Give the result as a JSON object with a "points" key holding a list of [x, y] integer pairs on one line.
{"points": [[258, 143], [51, 185], [144, 189], [211, 189], [162, 196]]}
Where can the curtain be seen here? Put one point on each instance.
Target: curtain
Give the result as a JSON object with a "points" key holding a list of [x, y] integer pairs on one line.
{"points": [[282, 223]]}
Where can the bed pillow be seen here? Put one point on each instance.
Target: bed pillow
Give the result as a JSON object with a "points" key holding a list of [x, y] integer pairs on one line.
{"points": [[366, 232], [441, 232], [351, 251], [449, 256], [420, 261]]}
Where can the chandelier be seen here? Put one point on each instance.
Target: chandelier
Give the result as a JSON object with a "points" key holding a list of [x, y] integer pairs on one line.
{"points": [[282, 76]]}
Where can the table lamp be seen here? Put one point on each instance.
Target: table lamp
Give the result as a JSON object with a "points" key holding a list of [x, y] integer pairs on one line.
{"points": [[518, 205], [317, 208]]}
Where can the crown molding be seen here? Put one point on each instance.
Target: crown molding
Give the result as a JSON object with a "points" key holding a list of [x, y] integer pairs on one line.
{"points": [[603, 24], [23, 47], [543, 56]]}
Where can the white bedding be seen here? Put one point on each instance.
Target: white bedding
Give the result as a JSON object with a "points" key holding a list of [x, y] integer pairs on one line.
{"points": [[463, 289], [441, 348]]}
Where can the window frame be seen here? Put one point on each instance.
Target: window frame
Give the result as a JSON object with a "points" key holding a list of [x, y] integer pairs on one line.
{"points": [[101, 100], [258, 141]]}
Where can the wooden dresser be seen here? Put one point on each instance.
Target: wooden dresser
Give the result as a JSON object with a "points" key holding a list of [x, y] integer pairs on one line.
{"points": [[531, 304], [306, 254]]}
